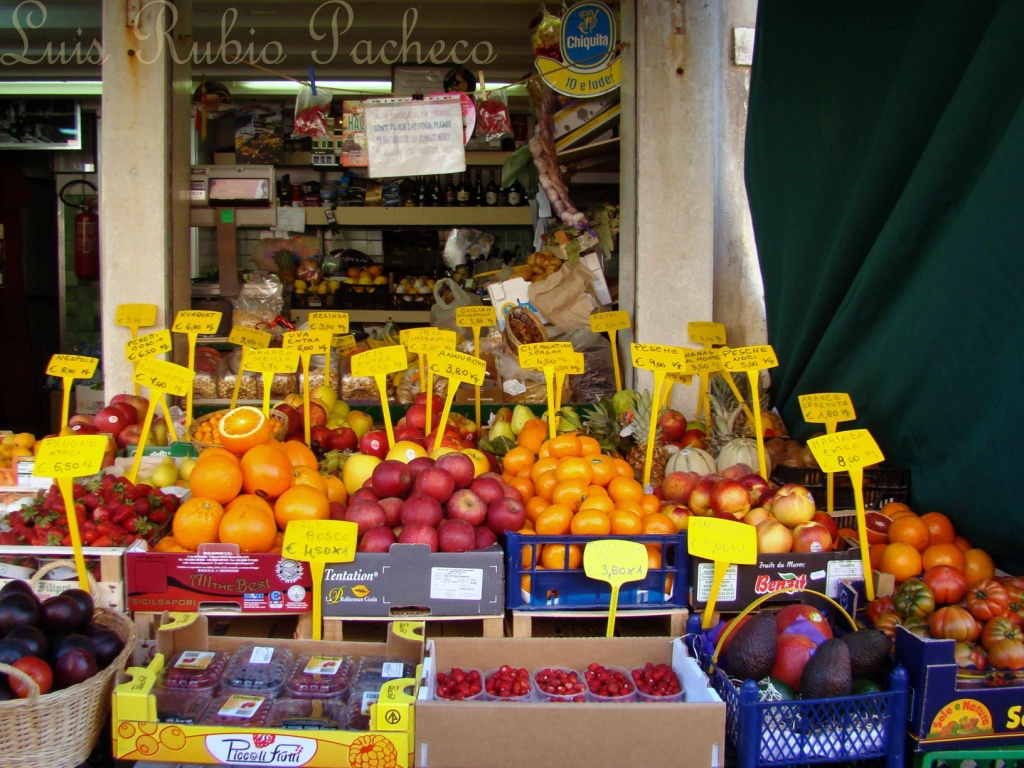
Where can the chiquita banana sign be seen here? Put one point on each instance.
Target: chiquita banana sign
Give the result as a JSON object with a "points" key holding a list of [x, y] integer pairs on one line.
{"points": [[590, 64]]}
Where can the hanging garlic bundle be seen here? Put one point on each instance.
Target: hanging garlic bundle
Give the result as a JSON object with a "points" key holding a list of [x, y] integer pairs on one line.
{"points": [[545, 157]]}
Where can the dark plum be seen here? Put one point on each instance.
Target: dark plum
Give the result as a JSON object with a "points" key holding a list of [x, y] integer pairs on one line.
{"points": [[70, 642], [84, 601], [61, 615], [35, 642], [18, 610], [74, 667], [11, 651], [17, 586], [106, 645]]}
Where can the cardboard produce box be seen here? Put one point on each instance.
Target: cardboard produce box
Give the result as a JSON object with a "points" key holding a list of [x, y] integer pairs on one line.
{"points": [[216, 577], [138, 734], [412, 578], [501, 734]]}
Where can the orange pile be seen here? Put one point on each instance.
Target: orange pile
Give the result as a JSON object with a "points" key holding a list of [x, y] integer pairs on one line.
{"points": [[249, 499], [570, 487]]}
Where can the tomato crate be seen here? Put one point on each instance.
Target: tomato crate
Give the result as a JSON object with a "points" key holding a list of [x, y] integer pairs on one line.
{"points": [[532, 588], [807, 731], [882, 483]]}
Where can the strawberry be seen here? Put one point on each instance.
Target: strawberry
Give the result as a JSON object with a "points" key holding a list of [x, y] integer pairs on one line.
{"points": [[16, 519], [262, 740], [169, 502], [89, 537], [90, 501], [142, 506], [122, 512], [158, 516], [80, 513], [102, 514], [140, 491], [103, 541], [8, 538]]}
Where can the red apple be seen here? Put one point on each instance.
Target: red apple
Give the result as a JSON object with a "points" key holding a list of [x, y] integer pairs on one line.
{"points": [[811, 537], [728, 496], [392, 511], [700, 497], [343, 439], [488, 489], [435, 482], [365, 493], [317, 414], [456, 536], [377, 539], [792, 505], [109, 420], [756, 486], [677, 486], [485, 537], [130, 435], [416, 417], [466, 505], [825, 519], [374, 443], [140, 404], [679, 515], [337, 510], [420, 508], [83, 429], [365, 514], [736, 471], [449, 439], [436, 402], [419, 533], [513, 493], [410, 433], [294, 417], [773, 537], [127, 410], [459, 466], [80, 418], [693, 438], [506, 515], [320, 435], [672, 424], [418, 464], [391, 478]]}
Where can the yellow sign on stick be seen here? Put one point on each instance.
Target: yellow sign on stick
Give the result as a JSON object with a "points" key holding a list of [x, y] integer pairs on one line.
{"points": [[307, 344], [473, 318], [69, 368], [161, 377], [156, 343], [828, 408], [661, 360], [618, 562], [269, 362], [851, 451], [193, 322], [457, 367], [424, 342], [319, 542], [706, 333], [335, 322], [753, 360], [64, 459], [135, 316], [611, 323], [247, 338], [348, 341], [378, 363], [724, 542], [546, 356]]}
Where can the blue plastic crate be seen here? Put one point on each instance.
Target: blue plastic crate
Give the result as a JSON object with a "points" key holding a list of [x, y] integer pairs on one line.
{"points": [[807, 731], [570, 588]]}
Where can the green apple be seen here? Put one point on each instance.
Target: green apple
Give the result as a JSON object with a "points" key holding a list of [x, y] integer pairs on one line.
{"points": [[327, 394], [340, 408]]}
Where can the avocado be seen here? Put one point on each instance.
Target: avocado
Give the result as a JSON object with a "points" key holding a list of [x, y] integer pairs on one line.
{"points": [[773, 689], [827, 674], [869, 650], [752, 648], [861, 687]]}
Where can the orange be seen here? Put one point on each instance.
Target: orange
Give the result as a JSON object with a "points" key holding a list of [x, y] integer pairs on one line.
{"points": [[894, 510], [243, 428], [518, 458], [524, 485], [555, 520], [248, 498], [653, 555], [599, 501], [623, 468], [900, 559], [249, 526], [303, 475], [591, 522], [535, 506], [532, 435], [525, 472], [875, 553], [266, 471], [554, 556], [505, 477], [589, 446], [197, 522], [544, 486], [169, 544], [650, 503], [574, 468], [217, 478], [625, 523], [659, 522], [210, 453], [848, 533], [979, 565], [528, 525], [541, 466], [625, 489], [633, 507], [568, 444], [963, 543], [300, 503], [544, 453], [527, 551], [910, 529], [597, 490], [299, 454], [570, 493], [336, 489], [602, 469], [943, 554], [940, 528]]}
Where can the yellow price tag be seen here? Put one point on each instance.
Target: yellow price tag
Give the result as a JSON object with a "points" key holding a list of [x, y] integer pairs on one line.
{"points": [[70, 457], [827, 407], [335, 322], [679, 378], [307, 342], [164, 376], [72, 366], [575, 366], [756, 358], [616, 561], [467, 317], [459, 366], [196, 321], [427, 340], [155, 343], [250, 338], [659, 357], [276, 360], [724, 542], [842, 451], [706, 333], [319, 542], [602, 322], [384, 360], [704, 361], [342, 343], [545, 354], [136, 315]]}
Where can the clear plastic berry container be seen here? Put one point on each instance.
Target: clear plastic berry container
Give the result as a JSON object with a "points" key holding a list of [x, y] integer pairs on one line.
{"points": [[181, 705], [238, 709], [316, 676], [659, 678], [307, 714], [500, 694], [597, 676], [195, 670], [559, 684], [374, 671], [458, 684], [357, 716], [257, 669]]}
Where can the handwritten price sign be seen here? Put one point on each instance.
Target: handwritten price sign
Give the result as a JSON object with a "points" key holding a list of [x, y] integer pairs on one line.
{"points": [[277, 360], [335, 322], [704, 361], [706, 333], [749, 359], [546, 354], [164, 376], [156, 343], [136, 315], [659, 357], [307, 343], [617, 562], [459, 366], [427, 340], [342, 343], [478, 317], [827, 408], [319, 542], [72, 366], [249, 338], [379, 363], [723, 542], [196, 321], [603, 322]]}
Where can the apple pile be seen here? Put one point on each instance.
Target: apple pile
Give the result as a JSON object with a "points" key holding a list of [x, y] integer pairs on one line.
{"points": [[122, 419], [442, 503], [785, 517]]}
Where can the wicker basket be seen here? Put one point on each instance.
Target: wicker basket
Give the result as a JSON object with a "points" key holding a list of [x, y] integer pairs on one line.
{"points": [[60, 729], [279, 433], [521, 315]]}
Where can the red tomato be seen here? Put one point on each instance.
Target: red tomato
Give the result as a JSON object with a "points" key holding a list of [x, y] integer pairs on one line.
{"points": [[879, 606], [1000, 628], [968, 655], [954, 623], [913, 598], [947, 584], [887, 623], [1007, 654], [987, 599], [35, 668]]}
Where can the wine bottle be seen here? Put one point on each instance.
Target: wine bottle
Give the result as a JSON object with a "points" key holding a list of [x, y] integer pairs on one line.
{"points": [[449, 192], [491, 197], [421, 192], [463, 194], [515, 194], [479, 197], [435, 197]]}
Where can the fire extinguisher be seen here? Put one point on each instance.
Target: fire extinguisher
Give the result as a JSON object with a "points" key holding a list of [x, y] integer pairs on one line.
{"points": [[87, 233]]}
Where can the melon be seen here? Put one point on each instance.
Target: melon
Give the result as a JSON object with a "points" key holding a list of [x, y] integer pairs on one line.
{"points": [[742, 450], [692, 460]]}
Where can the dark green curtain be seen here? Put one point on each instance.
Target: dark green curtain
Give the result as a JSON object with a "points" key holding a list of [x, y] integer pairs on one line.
{"points": [[885, 173]]}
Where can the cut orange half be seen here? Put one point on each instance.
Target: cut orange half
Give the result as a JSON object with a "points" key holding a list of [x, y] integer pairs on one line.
{"points": [[243, 428]]}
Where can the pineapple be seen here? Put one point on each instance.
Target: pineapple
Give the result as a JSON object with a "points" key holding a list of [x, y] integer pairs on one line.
{"points": [[728, 419], [285, 266], [601, 422], [641, 421]]}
